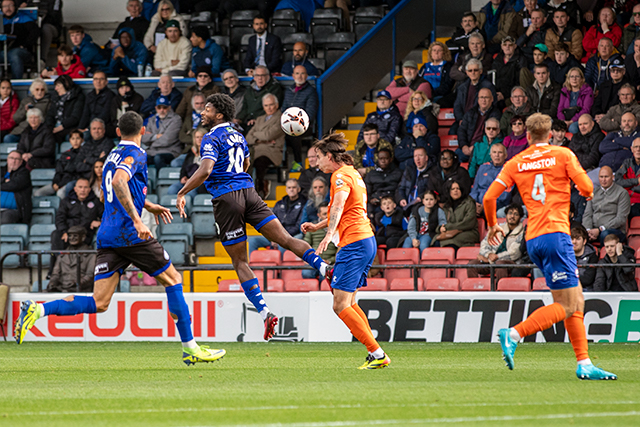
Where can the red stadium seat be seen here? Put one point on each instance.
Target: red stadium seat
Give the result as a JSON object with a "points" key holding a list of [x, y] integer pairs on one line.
{"points": [[443, 131], [262, 258], [401, 256], [514, 284], [460, 273], [634, 242], [449, 142], [540, 284], [445, 284], [446, 255], [375, 284], [405, 284], [465, 165], [476, 284], [303, 285], [382, 257], [603, 252], [291, 259], [229, 285], [467, 253], [446, 117], [273, 285], [635, 222], [324, 285], [482, 228], [568, 135]]}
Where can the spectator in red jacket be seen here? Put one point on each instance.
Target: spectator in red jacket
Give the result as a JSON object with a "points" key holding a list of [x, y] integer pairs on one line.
{"points": [[402, 88], [68, 64], [606, 27], [9, 104]]}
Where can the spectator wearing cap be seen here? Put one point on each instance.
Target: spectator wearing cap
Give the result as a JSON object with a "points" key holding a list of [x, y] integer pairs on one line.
{"points": [[366, 151], [126, 99], [15, 194], [608, 94], [561, 62], [90, 54], [97, 101], [138, 23], [467, 92], [508, 64], [535, 32], [576, 99], [387, 117], [472, 127], [497, 18], [130, 57], [300, 53], [204, 85], [156, 32], [611, 121], [539, 57], [233, 88], [166, 88], [420, 136], [563, 32], [64, 277], [173, 53], [264, 49], [402, 88], [161, 140], [68, 64], [482, 146], [206, 53], [596, 70]]}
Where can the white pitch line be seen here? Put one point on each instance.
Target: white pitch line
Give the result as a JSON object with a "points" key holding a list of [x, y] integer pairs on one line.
{"points": [[302, 407]]}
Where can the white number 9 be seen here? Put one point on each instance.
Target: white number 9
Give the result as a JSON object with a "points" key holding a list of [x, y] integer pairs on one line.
{"points": [[108, 180]]}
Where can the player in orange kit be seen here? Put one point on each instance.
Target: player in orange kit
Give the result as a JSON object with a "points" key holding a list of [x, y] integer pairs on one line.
{"points": [[543, 175], [349, 228]]}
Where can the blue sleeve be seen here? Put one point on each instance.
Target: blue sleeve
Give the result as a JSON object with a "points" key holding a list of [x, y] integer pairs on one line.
{"points": [[141, 53], [209, 148], [216, 59], [132, 161], [475, 193], [193, 58], [442, 218], [246, 150]]}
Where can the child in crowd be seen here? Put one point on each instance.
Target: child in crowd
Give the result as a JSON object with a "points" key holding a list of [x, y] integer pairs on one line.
{"points": [[68, 64], [390, 224], [424, 222], [559, 131]]}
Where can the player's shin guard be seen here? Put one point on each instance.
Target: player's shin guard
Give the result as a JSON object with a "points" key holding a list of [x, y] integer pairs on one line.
{"points": [[252, 290], [577, 335], [359, 328], [80, 304], [541, 319], [311, 258], [178, 306], [363, 316]]}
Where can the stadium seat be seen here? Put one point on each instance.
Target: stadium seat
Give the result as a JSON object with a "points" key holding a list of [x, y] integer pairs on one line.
{"points": [[210, 26], [42, 177], [166, 177], [382, 256], [285, 22], [39, 233], [405, 284], [634, 242], [44, 209], [319, 63], [365, 19], [375, 284], [324, 285], [431, 273], [229, 285], [176, 238], [442, 284], [460, 273], [446, 255], [13, 237], [177, 230], [540, 284], [326, 22], [443, 131], [202, 203], [449, 142], [268, 258], [65, 146], [39, 246], [301, 285], [273, 285], [467, 253], [291, 39], [202, 218], [291, 259], [514, 284], [482, 228], [240, 24], [336, 45], [224, 42], [603, 252], [5, 149], [152, 178], [401, 256], [169, 201], [244, 47], [446, 117], [476, 284]]}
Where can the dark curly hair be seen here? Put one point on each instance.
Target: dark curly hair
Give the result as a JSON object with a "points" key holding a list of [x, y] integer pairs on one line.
{"points": [[336, 144], [224, 105]]}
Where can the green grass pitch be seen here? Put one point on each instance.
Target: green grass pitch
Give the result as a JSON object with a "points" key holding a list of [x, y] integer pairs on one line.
{"points": [[313, 384]]}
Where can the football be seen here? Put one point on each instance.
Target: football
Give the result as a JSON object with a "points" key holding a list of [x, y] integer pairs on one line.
{"points": [[294, 121]]}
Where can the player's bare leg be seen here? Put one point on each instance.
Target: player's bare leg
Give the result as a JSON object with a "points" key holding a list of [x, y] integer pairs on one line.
{"points": [[251, 286]]}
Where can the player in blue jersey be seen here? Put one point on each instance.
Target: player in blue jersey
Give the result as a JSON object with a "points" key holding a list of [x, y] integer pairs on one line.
{"points": [[225, 161], [123, 239]]}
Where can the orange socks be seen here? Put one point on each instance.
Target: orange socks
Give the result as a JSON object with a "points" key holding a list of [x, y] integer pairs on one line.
{"points": [[577, 335], [358, 310], [541, 319], [359, 327]]}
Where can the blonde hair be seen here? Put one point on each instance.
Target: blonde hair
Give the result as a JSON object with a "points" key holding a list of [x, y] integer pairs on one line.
{"points": [[566, 80], [165, 3], [410, 108], [539, 127], [446, 53], [38, 82]]}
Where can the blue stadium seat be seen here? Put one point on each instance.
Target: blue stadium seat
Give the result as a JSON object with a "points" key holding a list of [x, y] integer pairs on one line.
{"points": [[44, 209], [41, 233], [34, 287], [152, 177], [166, 177], [202, 203], [39, 246], [176, 239], [5, 149], [13, 237], [176, 231], [169, 201], [42, 177]]}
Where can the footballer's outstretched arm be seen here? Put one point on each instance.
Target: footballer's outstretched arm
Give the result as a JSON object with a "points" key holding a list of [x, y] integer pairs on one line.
{"points": [[489, 202], [196, 180], [121, 188], [337, 208]]}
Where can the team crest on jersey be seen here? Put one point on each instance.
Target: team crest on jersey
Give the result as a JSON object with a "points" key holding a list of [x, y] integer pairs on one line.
{"points": [[144, 191], [128, 160], [558, 275], [339, 183], [208, 146]]}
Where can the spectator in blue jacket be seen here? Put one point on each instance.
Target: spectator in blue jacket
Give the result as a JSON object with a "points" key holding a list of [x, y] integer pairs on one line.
{"points": [[414, 181], [420, 136], [130, 57], [387, 117], [25, 30], [90, 54], [206, 53], [300, 53], [166, 87], [597, 68], [487, 173]]}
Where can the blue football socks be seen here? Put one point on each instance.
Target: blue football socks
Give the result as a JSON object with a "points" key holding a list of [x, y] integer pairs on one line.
{"points": [[255, 296], [178, 306], [311, 258], [61, 307]]}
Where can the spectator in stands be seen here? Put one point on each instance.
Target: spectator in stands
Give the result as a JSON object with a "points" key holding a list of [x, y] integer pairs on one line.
{"points": [[607, 212], [266, 140], [173, 53], [402, 88], [389, 223], [15, 197], [631, 31], [36, 98], [387, 117], [516, 141], [9, 104], [308, 175], [204, 85], [66, 169], [190, 165], [420, 136], [264, 49], [497, 18], [539, 57], [616, 146], [420, 105], [25, 32], [300, 53], [611, 121], [37, 145], [487, 173], [313, 238], [69, 64], [158, 25], [150, 7], [50, 13], [570, 6], [233, 88], [448, 169], [192, 121], [436, 71], [473, 123], [414, 180], [461, 228], [289, 211], [509, 251], [482, 146], [66, 108], [318, 194], [166, 89], [607, 27], [563, 32], [367, 149], [507, 64], [91, 56], [534, 33], [467, 91], [585, 144], [459, 41], [161, 141], [424, 222], [476, 51], [95, 182], [632, 65], [382, 180], [608, 93], [544, 95], [576, 99], [126, 99], [595, 72], [97, 102], [261, 85], [618, 279], [80, 207], [206, 53], [628, 177], [585, 254], [563, 62], [519, 107], [138, 23], [129, 58], [559, 132], [96, 147], [64, 277]]}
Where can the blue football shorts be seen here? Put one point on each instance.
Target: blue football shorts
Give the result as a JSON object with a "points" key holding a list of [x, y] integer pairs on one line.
{"points": [[553, 254], [353, 262]]}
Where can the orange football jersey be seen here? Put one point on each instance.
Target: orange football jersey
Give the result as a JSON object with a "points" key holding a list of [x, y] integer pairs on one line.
{"points": [[354, 224], [543, 175]]}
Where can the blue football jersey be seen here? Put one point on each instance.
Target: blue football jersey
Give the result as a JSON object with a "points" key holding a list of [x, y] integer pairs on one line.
{"points": [[228, 148], [116, 229]]}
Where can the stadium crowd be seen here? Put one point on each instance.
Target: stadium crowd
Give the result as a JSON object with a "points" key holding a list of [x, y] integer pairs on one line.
{"points": [[576, 61]]}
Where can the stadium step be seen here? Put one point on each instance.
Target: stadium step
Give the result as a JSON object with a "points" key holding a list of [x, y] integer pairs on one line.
{"points": [[207, 281], [212, 260]]}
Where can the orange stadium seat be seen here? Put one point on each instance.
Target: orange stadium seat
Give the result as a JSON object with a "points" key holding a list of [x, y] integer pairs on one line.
{"points": [[405, 284], [375, 284], [439, 254], [291, 259], [442, 284], [540, 284], [476, 284], [514, 284], [267, 258], [302, 285], [467, 253]]}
